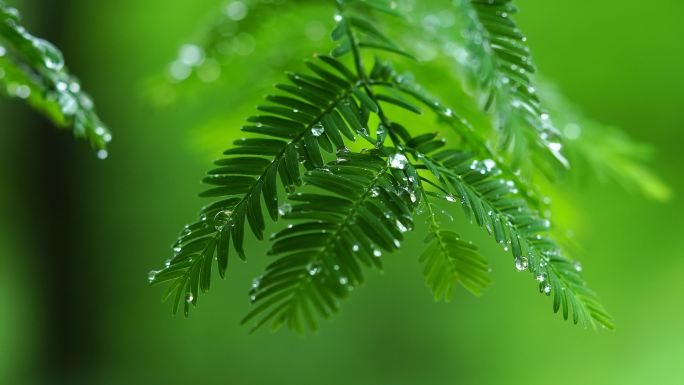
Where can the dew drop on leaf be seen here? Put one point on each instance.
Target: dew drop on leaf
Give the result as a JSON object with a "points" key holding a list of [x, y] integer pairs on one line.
{"points": [[398, 161], [521, 263], [151, 275], [578, 266], [222, 218], [285, 209], [317, 130]]}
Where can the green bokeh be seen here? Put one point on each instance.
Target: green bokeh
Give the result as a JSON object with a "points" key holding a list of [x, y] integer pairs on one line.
{"points": [[620, 61]]}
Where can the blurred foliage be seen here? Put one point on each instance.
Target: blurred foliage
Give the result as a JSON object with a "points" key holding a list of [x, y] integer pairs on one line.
{"points": [[33, 69], [474, 44], [614, 60]]}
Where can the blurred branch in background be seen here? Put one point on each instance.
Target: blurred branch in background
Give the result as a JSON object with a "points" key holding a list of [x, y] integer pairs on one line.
{"points": [[33, 69], [603, 151]]}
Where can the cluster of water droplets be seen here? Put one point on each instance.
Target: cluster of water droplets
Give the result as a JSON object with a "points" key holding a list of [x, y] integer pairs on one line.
{"points": [[56, 85]]}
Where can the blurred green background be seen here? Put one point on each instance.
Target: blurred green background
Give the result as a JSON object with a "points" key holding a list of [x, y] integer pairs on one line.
{"points": [[78, 235]]}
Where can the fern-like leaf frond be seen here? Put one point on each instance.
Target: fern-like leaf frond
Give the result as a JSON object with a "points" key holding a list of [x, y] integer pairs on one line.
{"points": [[33, 69], [358, 215], [450, 260], [318, 112], [603, 150], [497, 55], [494, 204]]}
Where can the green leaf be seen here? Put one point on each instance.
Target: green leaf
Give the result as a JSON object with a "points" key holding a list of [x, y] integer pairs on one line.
{"points": [[33, 69], [321, 255]]}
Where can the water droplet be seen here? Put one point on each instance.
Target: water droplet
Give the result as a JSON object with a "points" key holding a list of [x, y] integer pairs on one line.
{"points": [[374, 192], [152, 275], [377, 253], [3, 51], [578, 266], [177, 249], [51, 55], [284, 209], [179, 71], [314, 269], [222, 218], [102, 154], [167, 263], [74, 87], [489, 164], [401, 226], [190, 55], [544, 116], [317, 130], [343, 280], [255, 283], [355, 248], [450, 198], [555, 146], [338, 17], [521, 263], [545, 288], [398, 161], [541, 278], [236, 10], [572, 131], [67, 103], [189, 297]]}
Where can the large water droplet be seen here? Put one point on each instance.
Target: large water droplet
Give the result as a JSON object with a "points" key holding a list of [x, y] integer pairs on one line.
{"points": [[285, 209], [102, 154], [190, 55], [222, 218], [521, 263], [51, 55], [377, 253], [398, 161], [189, 297], [317, 130], [236, 10], [67, 103]]}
